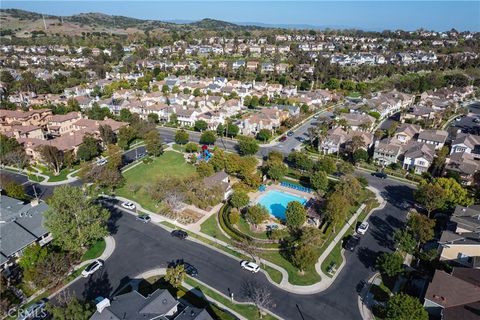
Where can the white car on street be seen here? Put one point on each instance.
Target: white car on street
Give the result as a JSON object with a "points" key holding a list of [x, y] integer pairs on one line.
{"points": [[250, 266], [362, 229], [92, 267], [128, 205]]}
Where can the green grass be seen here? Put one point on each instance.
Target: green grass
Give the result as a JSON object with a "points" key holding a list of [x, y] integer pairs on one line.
{"points": [[74, 274], [335, 255], [170, 163], [151, 284], [354, 94], [248, 311], [244, 227], [95, 251], [274, 274], [178, 147], [310, 276], [31, 176], [207, 241], [211, 228], [60, 177]]}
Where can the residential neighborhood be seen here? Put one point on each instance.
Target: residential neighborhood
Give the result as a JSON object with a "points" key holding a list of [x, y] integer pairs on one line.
{"points": [[155, 168]]}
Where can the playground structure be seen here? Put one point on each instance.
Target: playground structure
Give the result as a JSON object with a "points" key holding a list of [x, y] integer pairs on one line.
{"points": [[205, 154]]}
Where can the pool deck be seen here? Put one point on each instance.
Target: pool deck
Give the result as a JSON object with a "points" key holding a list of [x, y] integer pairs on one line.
{"points": [[254, 196]]}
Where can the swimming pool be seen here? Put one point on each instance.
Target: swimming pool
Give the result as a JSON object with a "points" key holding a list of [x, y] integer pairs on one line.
{"points": [[276, 202]]}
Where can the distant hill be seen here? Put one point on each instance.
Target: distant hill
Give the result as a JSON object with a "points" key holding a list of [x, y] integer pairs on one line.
{"points": [[212, 24], [23, 23]]}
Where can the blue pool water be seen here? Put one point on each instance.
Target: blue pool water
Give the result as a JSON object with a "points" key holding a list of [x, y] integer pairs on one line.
{"points": [[276, 202]]}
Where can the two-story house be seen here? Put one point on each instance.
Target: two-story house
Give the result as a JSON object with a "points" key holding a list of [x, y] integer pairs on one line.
{"points": [[436, 138], [418, 157]]}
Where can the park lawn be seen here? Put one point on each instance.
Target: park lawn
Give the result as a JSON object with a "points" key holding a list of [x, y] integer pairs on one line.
{"points": [[334, 258], [178, 147], [95, 250], [211, 228], [244, 227], [310, 276], [168, 164], [274, 274]]}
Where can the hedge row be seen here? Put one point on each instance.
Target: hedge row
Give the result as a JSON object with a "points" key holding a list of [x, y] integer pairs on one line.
{"points": [[227, 226]]}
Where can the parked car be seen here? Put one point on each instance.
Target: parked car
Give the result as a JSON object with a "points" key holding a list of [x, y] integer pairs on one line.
{"points": [[283, 138], [35, 311], [351, 243], [381, 175], [92, 267], [101, 162], [144, 218], [128, 205], [290, 133], [250, 266], [179, 234], [362, 229], [190, 270]]}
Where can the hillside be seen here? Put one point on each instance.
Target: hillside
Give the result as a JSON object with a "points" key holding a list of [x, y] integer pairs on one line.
{"points": [[22, 23]]}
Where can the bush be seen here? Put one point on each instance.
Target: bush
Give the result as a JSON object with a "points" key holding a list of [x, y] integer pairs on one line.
{"points": [[191, 147], [234, 216], [239, 199], [147, 160], [226, 226], [278, 234]]}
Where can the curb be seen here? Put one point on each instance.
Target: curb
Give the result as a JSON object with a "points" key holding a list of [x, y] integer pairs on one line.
{"points": [[325, 281], [162, 271], [365, 312], [109, 249]]}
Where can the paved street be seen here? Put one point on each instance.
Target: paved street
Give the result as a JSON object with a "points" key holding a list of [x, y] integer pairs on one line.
{"points": [[168, 135], [141, 247]]}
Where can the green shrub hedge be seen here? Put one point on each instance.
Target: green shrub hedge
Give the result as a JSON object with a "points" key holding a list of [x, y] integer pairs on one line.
{"points": [[227, 227]]}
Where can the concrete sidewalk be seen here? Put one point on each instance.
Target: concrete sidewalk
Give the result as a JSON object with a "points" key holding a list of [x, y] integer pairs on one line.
{"points": [[320, 286], [109, 249], [199, 293]]}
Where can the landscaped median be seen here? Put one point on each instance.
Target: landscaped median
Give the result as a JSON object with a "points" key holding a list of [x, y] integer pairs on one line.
{"points": [[335, 259]]}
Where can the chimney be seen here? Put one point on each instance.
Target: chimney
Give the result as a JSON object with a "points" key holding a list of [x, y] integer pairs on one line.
{"points": [[34, 202], [103, 304]]}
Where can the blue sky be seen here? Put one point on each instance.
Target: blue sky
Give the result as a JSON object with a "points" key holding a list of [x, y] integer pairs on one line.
{"points": [[367, 15]]}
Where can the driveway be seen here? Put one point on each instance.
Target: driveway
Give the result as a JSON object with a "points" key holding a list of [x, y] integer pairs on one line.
{"points": [[141, 247]]}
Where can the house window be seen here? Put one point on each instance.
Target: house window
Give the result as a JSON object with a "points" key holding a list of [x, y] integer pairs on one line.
{"points": [[464, 258]]}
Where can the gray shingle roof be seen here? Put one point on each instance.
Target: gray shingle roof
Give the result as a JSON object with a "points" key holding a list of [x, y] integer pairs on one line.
{"points": [[22, 224], [135, 306]]}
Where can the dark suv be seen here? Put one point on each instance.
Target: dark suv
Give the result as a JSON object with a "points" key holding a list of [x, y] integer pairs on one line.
{"points": [[179, 234], [381, 175], [351, 243]]}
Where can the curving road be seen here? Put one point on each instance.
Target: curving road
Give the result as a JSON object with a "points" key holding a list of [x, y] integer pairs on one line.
{"points": [[141, 247]]}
